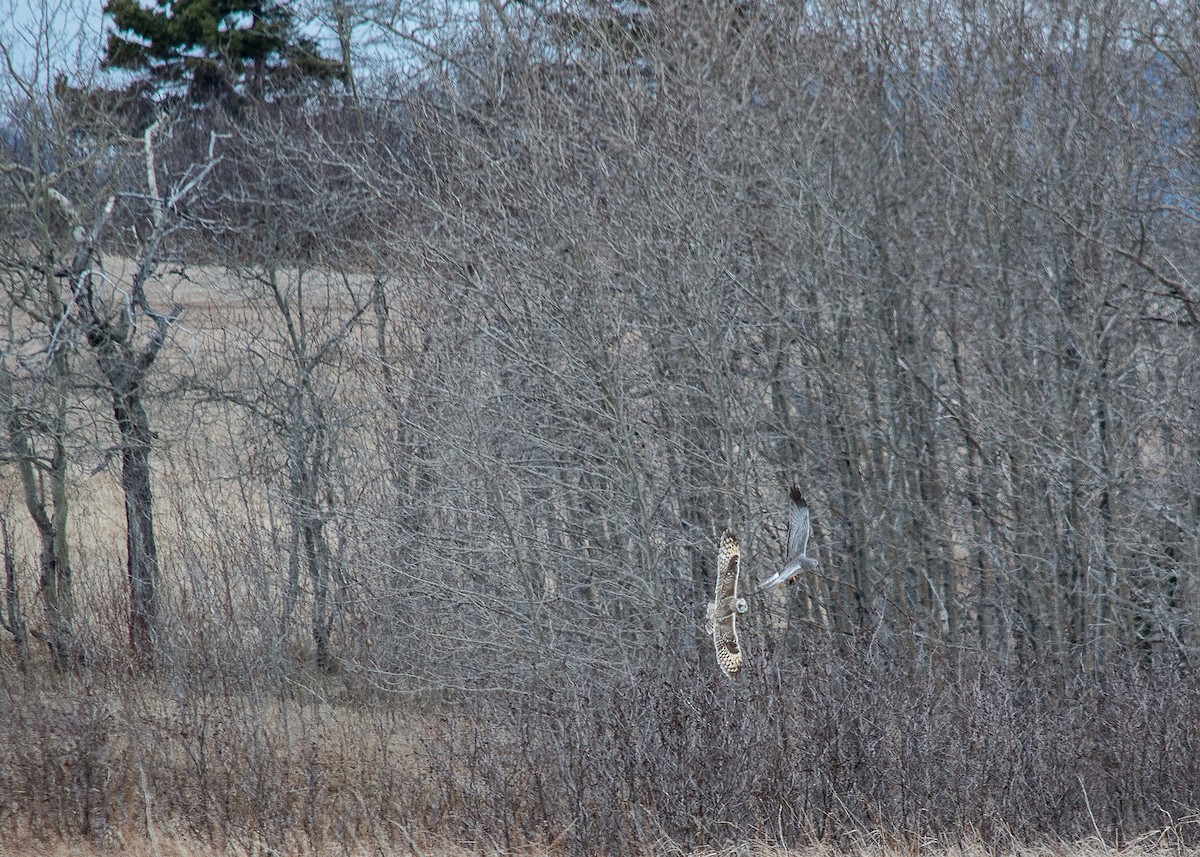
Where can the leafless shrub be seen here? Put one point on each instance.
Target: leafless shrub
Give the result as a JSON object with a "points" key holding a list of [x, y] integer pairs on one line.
{"points": [[832, 744], [468, 379]]}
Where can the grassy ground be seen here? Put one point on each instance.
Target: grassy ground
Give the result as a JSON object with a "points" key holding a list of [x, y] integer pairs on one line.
{"points": [[163, 844]]}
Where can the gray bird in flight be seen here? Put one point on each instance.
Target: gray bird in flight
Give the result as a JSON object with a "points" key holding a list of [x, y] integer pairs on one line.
{"points": [[797, 546]]}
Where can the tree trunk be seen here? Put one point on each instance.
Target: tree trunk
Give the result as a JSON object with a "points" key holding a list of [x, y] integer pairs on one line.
{"points": [[316, 550], [13, 621], [141, 549], [50, 520]]}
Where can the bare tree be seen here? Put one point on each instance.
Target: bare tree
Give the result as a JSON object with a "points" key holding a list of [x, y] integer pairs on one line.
{"points": [[59, 281], [877, 271], [46, 152]]}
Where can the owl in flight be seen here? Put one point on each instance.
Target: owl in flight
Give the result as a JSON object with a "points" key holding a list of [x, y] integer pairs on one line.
{"points": [[726, 606], [797, 546]]}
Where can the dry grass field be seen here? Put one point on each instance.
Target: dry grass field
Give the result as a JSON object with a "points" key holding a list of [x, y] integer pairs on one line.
{"points": [[166, 844], [203, 450], [202, 760]]}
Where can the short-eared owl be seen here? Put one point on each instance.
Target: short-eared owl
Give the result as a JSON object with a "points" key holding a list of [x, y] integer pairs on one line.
{"points": [[726, 605]]}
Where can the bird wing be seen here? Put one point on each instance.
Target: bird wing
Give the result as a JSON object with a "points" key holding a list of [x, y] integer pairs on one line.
{"points": [[797, 543], [724, 628], [728, 566], [777, 579]]}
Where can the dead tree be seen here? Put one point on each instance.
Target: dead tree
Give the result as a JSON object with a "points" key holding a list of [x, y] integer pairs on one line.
{"points": [[125, 331]]}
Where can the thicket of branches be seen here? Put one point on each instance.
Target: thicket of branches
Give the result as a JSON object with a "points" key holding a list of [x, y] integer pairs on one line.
{"points": [[447, 385]]}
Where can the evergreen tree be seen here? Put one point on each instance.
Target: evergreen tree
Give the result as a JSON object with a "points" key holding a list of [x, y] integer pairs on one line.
{"points": [[216, 50]]}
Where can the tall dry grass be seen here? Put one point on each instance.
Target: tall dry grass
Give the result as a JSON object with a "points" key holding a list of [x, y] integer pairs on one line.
{"points": [[822, 749], [170, 844]]}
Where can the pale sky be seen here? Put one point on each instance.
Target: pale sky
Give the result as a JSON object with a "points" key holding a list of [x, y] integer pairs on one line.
{"points": [[45, 37], [42, 38]]}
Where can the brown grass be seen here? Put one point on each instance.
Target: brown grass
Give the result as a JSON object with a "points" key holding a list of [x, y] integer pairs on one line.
{"points": [[226, 754], [172, 844]]}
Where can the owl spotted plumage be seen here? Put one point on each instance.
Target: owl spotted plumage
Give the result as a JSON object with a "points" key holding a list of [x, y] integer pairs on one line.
{"points": [[726, 606]]}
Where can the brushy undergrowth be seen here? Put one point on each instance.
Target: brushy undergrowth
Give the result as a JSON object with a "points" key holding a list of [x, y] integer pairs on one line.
{"points": [[825, 747]]}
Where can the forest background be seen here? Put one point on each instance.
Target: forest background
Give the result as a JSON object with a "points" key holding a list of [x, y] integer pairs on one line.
{"points": [[377, 376]]}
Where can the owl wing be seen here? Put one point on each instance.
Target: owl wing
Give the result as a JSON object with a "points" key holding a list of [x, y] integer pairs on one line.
{"points": [[729, 561], [724, 626]]}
